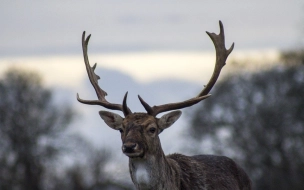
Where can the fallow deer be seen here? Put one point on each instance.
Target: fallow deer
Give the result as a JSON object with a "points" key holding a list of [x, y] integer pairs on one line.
{"points": [[149, 167]]}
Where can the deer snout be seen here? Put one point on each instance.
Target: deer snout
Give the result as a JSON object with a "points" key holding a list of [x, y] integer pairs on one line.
{"points": [[129, 147]]}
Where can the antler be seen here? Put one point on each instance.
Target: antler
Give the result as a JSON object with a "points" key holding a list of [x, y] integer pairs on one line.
{"points": [[221, 55], [94, 81]]}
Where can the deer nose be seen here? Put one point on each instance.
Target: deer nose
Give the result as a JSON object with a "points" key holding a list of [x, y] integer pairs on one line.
{"points": [[129, 147]]}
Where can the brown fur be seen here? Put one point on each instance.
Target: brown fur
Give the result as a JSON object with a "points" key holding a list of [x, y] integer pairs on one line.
{"points": [[153, 170]]}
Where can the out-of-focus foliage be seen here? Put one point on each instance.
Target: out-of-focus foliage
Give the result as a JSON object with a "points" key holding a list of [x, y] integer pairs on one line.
{"points": [[293, 57], [258, 119], [88, 172], [29, 125], [33, 140]]}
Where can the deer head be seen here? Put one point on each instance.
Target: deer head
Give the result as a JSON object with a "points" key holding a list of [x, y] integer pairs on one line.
{"points": [[139, 131]]}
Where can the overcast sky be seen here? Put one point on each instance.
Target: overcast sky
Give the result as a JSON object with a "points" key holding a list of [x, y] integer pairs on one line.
{"points": [[55, 27]]}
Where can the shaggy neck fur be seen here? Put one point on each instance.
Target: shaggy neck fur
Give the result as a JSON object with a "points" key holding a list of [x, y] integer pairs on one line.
{"points": [[154, 172]]}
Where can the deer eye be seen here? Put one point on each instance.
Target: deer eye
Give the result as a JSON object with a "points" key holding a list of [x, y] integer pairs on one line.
{"points": [[152, 130], [121, 130]]}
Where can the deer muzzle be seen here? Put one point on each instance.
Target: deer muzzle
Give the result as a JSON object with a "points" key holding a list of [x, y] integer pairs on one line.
{"points": [[131, 149]]}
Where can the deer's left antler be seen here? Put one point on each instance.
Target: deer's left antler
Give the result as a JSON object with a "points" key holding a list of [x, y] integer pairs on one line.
{"points": [[221, 56]]}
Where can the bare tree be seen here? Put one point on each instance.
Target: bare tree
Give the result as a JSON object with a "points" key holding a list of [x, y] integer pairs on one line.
{"points": [[30, 125], [87, 171]]}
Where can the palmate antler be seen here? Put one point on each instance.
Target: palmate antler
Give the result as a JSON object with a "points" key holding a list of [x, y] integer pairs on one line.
{"points": [[221, 55]]}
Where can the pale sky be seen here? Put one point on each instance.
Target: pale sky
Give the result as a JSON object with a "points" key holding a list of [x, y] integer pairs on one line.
{"points": [[148, 40], [55, 27], [144, 67]]}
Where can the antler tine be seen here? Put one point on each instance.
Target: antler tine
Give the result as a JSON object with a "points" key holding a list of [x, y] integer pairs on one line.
{"points": [[221, 55], [171, 106], [94, 81]]}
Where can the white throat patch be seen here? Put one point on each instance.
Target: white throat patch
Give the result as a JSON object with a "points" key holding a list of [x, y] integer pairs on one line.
{"points": [[142, 174]]}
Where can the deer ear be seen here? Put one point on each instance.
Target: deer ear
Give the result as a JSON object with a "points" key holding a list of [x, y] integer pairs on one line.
{"points": [[113, 120], [168, 119]]}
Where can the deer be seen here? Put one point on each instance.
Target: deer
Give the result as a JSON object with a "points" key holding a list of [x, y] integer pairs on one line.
{"points": [[149, 167]]}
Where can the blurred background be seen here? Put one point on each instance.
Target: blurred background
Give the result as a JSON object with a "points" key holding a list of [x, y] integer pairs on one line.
{"points": [[159, 50]]}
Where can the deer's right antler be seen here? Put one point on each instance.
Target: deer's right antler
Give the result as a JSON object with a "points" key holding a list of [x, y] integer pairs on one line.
{"points": [[221, 55], [94, 81]]}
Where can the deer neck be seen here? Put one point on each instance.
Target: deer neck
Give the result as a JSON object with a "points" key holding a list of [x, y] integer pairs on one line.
{"points": [[153, 171]]}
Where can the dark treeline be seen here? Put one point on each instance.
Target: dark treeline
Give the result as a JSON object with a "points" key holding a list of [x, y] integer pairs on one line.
{"points": [[258, 119], [34, 139]]}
